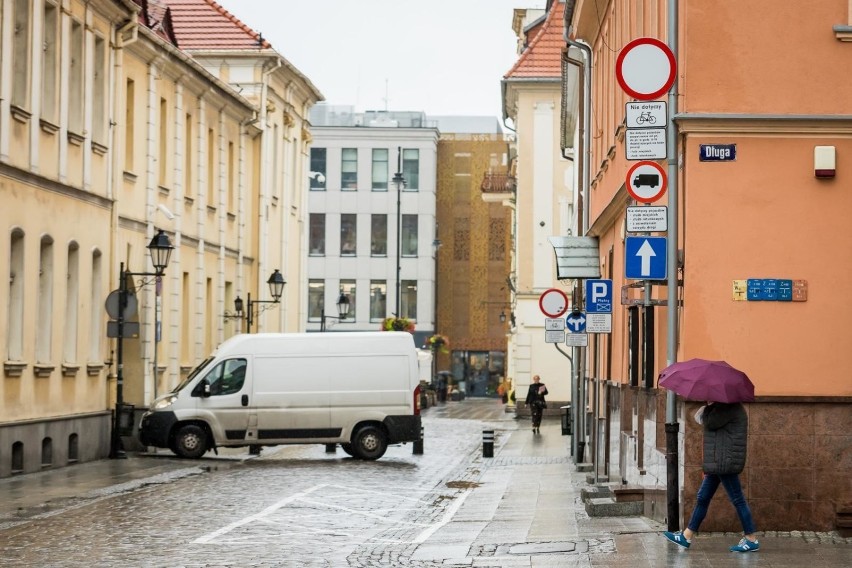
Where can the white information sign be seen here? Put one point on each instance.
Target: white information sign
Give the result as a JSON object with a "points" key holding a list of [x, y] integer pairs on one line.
{"points": [[554, 324], [647, 219], [577, 340], [551, 336], [645, 143], [647, 114], [598, 323]]}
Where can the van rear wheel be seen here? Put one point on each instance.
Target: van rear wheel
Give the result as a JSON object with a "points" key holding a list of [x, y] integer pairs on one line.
{"points": [[190, 442], [369, 443]]}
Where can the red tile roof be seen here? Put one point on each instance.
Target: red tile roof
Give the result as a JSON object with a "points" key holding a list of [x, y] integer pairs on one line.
{"points": [[543, 57], [205, 25]]}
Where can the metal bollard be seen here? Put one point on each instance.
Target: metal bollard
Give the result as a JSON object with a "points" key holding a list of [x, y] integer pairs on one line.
{"points": [[488, 443], [331, 448], [417, 447]]}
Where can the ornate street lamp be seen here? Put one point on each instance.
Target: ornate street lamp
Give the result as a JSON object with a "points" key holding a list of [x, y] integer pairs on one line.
{"points": [[276, 289], [342, 310], [160, 248]]}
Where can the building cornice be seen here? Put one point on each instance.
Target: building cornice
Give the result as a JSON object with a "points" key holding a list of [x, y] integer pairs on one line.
{"points": [[43, 183], [697, 123]]}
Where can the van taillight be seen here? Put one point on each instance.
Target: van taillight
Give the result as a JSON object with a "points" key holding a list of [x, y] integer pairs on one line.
{"points": [[417, 400]]}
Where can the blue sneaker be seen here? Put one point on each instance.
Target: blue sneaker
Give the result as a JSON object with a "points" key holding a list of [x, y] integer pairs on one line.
{"points": [[745, 545], [678, 538]]}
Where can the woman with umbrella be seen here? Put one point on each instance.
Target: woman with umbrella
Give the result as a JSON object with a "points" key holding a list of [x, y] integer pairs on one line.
{"points": [[725, 425]]}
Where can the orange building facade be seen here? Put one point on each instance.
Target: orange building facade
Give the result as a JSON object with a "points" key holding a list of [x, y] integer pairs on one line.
{"points": [[763, 83]]}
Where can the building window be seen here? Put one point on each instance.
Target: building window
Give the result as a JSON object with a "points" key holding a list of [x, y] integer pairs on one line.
{"points": [[378, 235], [95, 303], [348, 234], [129, 109], [47, 452], [316, 240], [99, 92], [15, 301], [187, 157], [409, 235], [347, 287], [50, 63], [21, 54], [73, 448], [211, 168], [317, 173], [380, 169], [411, 168], [75, 80], [231, 181], [408, 299], [349, 168], [378, 299], [72, 293], [164, 140], [316, 299], [44, 329]]}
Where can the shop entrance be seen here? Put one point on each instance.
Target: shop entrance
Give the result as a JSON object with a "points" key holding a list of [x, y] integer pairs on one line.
{"points": [[478, 373]]}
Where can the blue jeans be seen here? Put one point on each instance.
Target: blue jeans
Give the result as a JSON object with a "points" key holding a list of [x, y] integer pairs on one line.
{"points": [[708, 488]]}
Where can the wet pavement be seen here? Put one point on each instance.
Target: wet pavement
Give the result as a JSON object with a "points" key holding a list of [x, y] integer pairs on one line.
{"points": [[301, 506]]}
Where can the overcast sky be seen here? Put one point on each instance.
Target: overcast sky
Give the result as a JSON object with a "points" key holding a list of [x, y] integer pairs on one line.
{"points": [[444, 57]]}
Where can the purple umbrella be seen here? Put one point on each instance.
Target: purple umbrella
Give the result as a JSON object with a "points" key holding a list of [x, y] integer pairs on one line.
{"points": [[699, 379]]}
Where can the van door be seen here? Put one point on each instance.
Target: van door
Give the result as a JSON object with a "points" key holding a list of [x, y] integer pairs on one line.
{"points": [[228, 406], [291, 399]]}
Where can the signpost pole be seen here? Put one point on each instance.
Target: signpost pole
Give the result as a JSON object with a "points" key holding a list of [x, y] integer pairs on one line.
{"points": [[672, 478]]}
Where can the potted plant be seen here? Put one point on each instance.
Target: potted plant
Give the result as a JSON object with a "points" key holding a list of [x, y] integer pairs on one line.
{"points": [[397, 324], [439, 342]]}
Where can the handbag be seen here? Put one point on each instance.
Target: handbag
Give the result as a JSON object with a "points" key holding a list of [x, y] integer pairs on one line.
{"points": [[540, 404]]}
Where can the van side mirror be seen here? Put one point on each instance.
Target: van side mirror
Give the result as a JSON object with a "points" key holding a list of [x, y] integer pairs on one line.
{"points": [[205, 388]]}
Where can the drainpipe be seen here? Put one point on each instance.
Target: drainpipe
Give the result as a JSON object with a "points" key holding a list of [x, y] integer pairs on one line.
{"points": [[579, 394], [672, 426]]}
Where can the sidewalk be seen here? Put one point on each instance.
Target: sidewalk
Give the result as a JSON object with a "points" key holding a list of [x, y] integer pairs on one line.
{"points": [[521, 507]]}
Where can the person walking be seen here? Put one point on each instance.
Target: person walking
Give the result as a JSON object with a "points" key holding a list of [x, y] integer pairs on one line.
{"points": [[725, 442], [536, 403]]}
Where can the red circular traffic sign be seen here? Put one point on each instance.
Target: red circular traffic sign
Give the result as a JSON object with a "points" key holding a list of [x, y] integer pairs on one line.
{"points": [[553, 302], [646, 181], [645, 68]]}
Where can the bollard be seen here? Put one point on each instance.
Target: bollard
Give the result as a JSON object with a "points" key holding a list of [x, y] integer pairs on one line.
{"points": [[417, 447], [331, 448], [488, 443]]}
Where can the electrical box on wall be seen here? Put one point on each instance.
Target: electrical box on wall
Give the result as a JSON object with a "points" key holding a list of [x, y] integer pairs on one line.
{"points": [[824, 161]]}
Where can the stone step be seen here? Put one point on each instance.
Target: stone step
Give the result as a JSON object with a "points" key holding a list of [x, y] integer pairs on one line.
{"points": [[609, 507]]}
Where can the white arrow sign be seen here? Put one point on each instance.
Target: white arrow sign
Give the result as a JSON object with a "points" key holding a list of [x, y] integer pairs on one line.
{"points": [[646, 251]]}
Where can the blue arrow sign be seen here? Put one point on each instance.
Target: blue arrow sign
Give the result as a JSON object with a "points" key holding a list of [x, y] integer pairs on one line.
{"points": [[645, 258], [576, 322], [599, 296]]}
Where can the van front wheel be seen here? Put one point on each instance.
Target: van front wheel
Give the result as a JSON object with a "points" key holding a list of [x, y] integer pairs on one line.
{"points": [[190, 442], [369, 443]]}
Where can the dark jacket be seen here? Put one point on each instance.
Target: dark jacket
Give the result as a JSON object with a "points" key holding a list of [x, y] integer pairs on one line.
{"points": [[725, 438], [533, 395]]}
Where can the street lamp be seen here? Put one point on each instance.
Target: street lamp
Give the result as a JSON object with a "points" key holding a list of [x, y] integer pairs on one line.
{"points": [[161, 251], [276, 288], [342, 310], [399, 181], [502, 316]]}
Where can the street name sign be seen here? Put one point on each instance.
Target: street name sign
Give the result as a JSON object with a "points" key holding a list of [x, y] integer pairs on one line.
{"points": [[647, 219], [645, 258]]}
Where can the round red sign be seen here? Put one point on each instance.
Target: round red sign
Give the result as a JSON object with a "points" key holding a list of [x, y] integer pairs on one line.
{"points": [[646, 181], [645, 68], [553, 302]]}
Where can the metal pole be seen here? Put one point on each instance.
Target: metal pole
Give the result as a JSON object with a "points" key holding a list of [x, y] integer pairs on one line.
{"points": [[116, 447], [322, 322], [672, 426], [248, 313], [398, 179]]}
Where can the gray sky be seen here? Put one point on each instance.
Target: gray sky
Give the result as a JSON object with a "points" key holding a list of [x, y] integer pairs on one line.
{"points": [[444, 57]]}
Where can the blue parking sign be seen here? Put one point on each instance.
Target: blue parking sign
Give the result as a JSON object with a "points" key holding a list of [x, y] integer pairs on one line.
{"points": [[599, 296]]}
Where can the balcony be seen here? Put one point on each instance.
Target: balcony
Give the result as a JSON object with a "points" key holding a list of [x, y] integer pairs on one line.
{"points": [[498, 188]]}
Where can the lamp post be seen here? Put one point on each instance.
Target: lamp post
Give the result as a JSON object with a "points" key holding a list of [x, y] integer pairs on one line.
{"points": [[399, 181], [276, 289], [161, 251], [342, 310]]}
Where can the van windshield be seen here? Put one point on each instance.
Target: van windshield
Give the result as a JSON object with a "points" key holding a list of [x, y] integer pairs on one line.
{"points": [[192, 374]]}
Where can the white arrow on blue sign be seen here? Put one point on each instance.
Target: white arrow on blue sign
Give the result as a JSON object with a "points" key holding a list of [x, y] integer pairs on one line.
{"points": [[599, 296], [576, 322], [645, 258]]}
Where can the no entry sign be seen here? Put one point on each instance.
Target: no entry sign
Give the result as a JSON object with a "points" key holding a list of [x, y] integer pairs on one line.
{"points": [[645, 68]]}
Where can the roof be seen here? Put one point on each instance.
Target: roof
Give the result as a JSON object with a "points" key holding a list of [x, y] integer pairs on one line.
{"points": [[543, 57], [204, 24]]}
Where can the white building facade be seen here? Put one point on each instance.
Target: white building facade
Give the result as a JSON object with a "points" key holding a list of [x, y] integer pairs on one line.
{"points": [[370, 238]]}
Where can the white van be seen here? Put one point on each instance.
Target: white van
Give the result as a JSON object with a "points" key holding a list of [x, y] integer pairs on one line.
{"points": [[358, 389]]}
